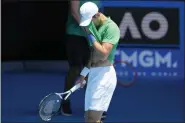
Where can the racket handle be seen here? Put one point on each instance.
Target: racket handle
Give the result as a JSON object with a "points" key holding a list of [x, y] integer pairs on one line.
{"points": [[77, 86], [67, 96]]}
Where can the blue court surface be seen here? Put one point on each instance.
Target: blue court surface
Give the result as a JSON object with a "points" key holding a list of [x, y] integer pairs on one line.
{"points": [[148, 100]]}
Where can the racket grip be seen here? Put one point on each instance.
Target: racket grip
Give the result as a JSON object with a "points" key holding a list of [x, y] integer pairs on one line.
{"points": [[77, 86]]}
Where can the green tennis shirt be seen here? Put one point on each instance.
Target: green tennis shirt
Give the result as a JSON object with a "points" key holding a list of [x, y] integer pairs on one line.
{"points": [[111, 34], [73, 27], [108, 32]]}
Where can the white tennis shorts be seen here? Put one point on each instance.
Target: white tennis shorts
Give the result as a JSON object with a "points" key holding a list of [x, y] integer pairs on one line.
{"points": [[100, 88]]}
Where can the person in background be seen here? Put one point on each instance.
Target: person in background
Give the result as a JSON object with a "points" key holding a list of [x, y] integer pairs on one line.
{"points": [[77, 48]]}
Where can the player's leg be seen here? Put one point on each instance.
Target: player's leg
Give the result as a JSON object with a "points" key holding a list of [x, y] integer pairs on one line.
{"points": [[71, 74], [76, 47], [101, 85], [93, 116]]}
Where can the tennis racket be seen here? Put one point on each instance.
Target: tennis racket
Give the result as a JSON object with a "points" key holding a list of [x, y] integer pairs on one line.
{"points": [[50, 104], [126, 74]]}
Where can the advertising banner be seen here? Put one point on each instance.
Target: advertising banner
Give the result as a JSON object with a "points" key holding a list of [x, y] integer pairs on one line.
{"points": [[152, 62], [148, 24], [152, 36]]}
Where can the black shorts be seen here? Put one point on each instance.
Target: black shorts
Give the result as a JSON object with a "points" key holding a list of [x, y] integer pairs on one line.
{"points": [[78, 50]]}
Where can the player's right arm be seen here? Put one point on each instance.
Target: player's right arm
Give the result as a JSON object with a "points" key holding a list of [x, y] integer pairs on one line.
{"points": [[82, 76]]}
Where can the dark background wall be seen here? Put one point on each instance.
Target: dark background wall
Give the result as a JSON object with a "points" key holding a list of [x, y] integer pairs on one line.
{"points": [[33, 30]]}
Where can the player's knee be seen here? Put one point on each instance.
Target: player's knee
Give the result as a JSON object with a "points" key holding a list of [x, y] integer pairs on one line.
{"points": [[93, 118]]}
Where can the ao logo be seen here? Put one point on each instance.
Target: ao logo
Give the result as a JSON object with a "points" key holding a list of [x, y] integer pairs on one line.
{"points": [[129, 23], [148, 59]]}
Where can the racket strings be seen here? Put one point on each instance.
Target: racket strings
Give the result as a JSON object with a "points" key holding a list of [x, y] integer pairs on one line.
{"points": [[49, 107], [45, 117]]}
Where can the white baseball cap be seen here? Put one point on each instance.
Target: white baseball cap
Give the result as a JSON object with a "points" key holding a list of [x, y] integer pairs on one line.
{"points": [[87, 11]]}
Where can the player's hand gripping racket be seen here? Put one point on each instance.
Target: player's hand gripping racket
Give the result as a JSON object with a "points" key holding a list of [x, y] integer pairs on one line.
{"points": [[126, 73], [50, 104]]}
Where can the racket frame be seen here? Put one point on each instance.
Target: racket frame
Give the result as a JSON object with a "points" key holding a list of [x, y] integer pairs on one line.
{"points": [[73, 89]]}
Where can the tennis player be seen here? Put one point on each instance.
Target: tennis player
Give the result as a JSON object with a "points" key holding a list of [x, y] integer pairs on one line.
{"points": [[101, 73]]}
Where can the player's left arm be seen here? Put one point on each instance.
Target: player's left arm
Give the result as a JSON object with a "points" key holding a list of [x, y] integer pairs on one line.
{"points": [[110, 38], [103, 48]]}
